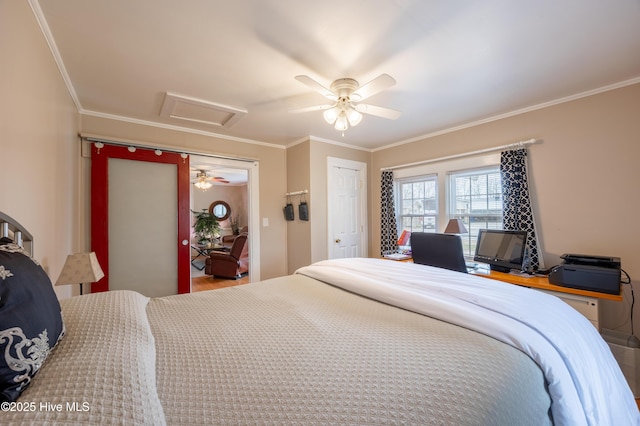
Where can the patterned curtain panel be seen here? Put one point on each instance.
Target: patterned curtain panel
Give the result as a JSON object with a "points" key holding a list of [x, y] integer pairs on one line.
{"points": [[388, 227], [517, 213]]}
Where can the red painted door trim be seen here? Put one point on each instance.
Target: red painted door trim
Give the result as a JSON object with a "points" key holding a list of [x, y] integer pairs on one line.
{"points": [[100, 208]]}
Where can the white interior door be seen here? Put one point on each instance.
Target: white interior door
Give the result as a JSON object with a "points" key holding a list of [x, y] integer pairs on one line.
{"points": [[346, 209]]}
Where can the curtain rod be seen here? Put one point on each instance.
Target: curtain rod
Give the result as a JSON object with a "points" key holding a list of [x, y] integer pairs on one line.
{"points": [[515, 145], [172, 150]]}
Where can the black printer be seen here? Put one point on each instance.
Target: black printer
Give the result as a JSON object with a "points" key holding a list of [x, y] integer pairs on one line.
{"points": [[593, 273]]}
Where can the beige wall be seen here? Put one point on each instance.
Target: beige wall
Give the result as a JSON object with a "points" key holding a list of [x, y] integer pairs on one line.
{"points": [[39, 147], [307, 169], [234, 195], [584, 177], [299, 231]]}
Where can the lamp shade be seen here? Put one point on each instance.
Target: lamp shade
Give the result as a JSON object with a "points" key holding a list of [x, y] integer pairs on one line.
{"points": [[80, 268], [455, 226]]}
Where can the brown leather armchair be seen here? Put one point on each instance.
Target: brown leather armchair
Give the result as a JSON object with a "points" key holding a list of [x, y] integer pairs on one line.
{"points": [[227, 240], [232, 264]]}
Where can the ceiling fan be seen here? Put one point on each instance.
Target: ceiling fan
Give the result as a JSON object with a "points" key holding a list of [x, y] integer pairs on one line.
{"points": [[346, 94], [204, 182]]}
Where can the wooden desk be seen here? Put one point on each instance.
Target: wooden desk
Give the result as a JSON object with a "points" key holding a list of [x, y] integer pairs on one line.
{"points": [[542, 283], [537, 282], [584, 301]]}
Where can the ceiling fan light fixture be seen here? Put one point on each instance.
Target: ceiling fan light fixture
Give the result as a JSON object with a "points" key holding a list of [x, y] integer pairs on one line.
{"points": [[342, 123], [203, 184], [353, 116], [331, 115], [343, 115], [347, 93]]}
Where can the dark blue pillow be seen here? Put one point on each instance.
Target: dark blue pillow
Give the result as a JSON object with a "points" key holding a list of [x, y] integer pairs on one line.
{"points": [[30, 320]]}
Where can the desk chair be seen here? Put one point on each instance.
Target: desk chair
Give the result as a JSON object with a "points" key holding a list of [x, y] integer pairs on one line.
{"points": [[441, 250]]}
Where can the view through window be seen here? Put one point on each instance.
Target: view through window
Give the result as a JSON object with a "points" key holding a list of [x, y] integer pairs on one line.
{"points": [[418, 204], [475, 197], [472, 195]]}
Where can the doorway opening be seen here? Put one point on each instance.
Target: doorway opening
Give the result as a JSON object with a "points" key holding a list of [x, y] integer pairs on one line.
{"points": [[234, 189]]}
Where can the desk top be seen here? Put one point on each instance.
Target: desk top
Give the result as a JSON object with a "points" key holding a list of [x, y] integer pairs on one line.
{"points": [[539, 282], [542, 283]]}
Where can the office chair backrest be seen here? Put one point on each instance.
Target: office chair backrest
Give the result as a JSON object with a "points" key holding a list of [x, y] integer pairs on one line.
{"points": [[441, 250]]}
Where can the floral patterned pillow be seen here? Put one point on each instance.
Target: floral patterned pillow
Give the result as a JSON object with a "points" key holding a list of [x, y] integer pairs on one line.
{"points": [[30, 319]]}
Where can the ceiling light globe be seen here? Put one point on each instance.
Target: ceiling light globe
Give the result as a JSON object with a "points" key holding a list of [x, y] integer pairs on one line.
{"points": [[354, 117], [331, 115], [342, 123], [203, 184]]}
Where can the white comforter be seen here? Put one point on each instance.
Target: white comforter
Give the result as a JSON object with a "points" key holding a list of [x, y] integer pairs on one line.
{"points": [[585, 382]]}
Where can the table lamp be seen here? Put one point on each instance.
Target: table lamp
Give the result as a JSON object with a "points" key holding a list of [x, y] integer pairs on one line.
{"points": [[80, 268], [455, 226]]}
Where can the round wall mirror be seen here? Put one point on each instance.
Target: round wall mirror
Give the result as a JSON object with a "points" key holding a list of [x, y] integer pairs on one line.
{"points": [[220, 210]]}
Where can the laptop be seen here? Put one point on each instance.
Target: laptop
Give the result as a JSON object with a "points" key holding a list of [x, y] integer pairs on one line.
{"points": [[440, 250]]}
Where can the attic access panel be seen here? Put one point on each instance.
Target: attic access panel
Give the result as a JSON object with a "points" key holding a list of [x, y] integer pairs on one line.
{"points": [[200, 111]]}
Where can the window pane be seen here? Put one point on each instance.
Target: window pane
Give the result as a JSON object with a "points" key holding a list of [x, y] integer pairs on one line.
{"points": [[418, 207], [476, 199], [430, 206], [406, 191], [418, 190], [407, 207], [419, 204], [430, 189]]}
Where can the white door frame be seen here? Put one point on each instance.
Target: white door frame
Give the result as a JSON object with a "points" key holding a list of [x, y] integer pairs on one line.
{"points": [[361, 167]]}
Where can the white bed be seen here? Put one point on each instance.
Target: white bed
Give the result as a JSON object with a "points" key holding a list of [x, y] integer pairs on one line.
{"points": [[354, 341]]}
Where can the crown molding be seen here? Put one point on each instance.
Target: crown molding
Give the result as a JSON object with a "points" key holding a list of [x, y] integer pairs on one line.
{"points": [[558, 101]]}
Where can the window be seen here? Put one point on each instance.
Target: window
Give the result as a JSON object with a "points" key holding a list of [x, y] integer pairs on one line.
{"points": [[469, 188], [418, 204], [475, 196]]}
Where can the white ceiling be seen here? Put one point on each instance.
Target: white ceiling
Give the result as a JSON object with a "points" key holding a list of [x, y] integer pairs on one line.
{"points": [[233, 176], [455, 62]]}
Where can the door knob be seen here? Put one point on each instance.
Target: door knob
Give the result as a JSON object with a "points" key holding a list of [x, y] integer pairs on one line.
{"points": [[338, 240], [185, 242]]}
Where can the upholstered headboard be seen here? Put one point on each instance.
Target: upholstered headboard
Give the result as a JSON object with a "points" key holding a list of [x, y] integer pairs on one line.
{"points": [[10, 228]]}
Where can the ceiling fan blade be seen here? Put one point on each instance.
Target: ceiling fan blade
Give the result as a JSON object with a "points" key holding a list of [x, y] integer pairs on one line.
{"points": [[219, 179], [311, 108], [389, 113], [314, 85], [377, 85]]}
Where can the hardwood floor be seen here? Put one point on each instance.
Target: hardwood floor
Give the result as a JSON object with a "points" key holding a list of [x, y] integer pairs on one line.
{"points": [[208, 282]]}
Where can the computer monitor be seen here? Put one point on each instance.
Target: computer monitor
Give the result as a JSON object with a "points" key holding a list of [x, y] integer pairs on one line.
{"points": [[502, 250], [441, 250]]}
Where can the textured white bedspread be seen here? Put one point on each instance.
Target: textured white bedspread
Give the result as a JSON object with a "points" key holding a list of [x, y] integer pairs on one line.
{"points": [[585, 382], [296, 351], [101, 373]]}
